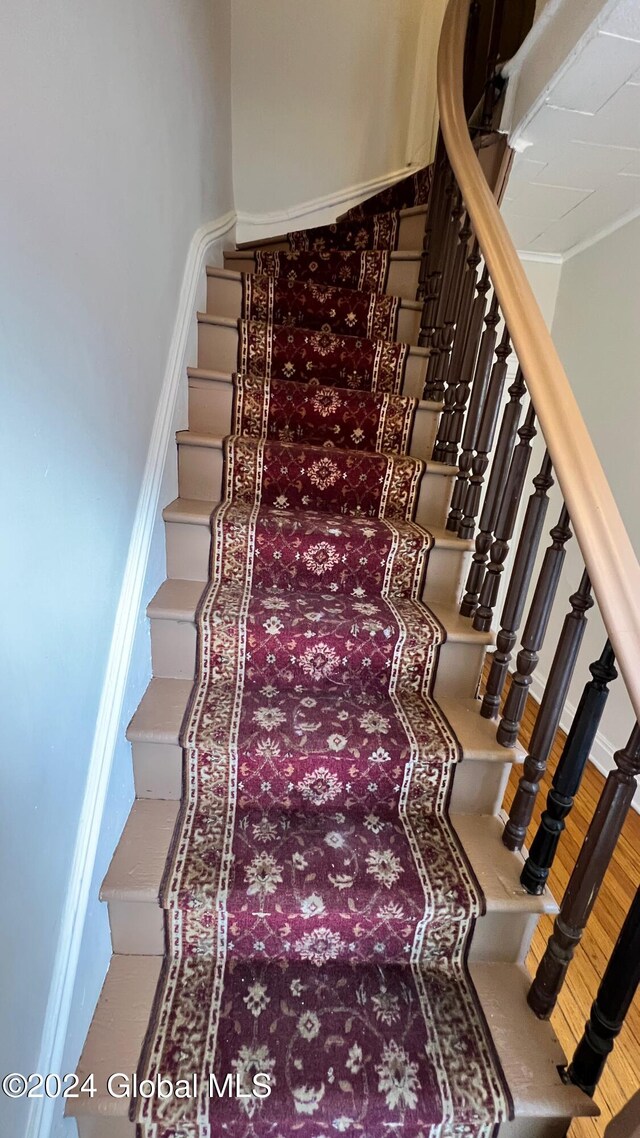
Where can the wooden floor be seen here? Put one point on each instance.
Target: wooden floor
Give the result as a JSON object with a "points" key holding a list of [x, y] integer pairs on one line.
{"points": [[621, 1078]]}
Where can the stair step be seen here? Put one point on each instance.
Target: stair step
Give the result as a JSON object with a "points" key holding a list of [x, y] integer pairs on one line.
{"points": [[188, 543], [211, 406], [527, 1048], [201, 460], [218, 341], [173, 640], [410, 232], [404, 267], [132, 885], [479, 781], [225, 295]]}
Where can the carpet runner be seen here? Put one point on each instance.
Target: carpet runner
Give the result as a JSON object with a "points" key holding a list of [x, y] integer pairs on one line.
{"points": [[302, 354], [409, 191], [318, 904], [379, 231], [305, 304], [365, 270]]}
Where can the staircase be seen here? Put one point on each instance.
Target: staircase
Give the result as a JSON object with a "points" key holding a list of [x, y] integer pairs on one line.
{"points": [[328, 553], [527, 1051]]}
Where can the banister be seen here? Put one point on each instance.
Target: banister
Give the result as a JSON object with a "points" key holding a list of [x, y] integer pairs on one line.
{"points": [[606, 549]]}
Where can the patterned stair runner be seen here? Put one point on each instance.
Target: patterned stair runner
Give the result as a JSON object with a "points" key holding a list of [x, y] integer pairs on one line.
{"points": [[318, 904]]}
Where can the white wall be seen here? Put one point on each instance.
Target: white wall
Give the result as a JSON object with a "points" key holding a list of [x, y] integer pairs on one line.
{"points": [[323, 97], [591, 302], [595, 329], [116, 148]]}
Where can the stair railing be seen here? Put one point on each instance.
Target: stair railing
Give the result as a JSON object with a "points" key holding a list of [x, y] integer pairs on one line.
{"points": [[478, 309]]}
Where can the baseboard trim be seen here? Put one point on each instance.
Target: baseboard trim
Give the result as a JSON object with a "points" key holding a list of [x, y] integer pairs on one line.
{"points": [[315, 211], [603, 749], [113, 692]]}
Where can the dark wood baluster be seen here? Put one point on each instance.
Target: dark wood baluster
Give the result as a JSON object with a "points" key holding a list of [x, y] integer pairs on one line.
{"points": [[433, 218], [493, 58], [486, 434], [505, 523], [449, 309], [493, 495], [461, 329], [534, 631], [471, 42], [548, 718], [471, 423], [586, 878], [568, 773], [518, 587], [609, 1009], [451, 421], [435, 283]]}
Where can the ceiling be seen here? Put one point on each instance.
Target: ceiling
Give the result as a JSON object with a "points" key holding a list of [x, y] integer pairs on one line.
{"points": [[576, 172]]}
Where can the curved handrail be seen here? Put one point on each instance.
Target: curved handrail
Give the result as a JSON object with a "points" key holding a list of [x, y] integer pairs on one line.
{"points": [[604, 543]]}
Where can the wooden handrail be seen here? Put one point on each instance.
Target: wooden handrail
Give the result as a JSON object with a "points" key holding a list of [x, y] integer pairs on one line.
{"points": [[607, 551]]}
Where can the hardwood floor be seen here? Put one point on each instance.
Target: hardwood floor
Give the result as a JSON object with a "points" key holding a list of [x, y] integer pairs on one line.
{"points": [[621, 1079]]}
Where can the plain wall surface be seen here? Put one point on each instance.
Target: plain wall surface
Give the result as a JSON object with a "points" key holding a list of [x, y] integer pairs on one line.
{"points": [[116, 147], [596, 331], [328, 95]]}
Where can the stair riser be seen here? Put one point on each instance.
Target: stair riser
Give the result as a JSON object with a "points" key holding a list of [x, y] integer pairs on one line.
{"points": [[402, 279], [218, 351], [137, 929], [200, 477], [211, 405], [520, 1128], [173, 655], [188, 549], [478, 786], [224, 298]]}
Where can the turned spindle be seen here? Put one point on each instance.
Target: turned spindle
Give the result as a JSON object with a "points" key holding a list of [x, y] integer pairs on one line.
{"points": [[493, 495], [486, 433], [465, 428], [518, 587], [609, 1009], [460, 378], [534, 631], [587, 876], [548, 717], [568, 773], [505, 524]]}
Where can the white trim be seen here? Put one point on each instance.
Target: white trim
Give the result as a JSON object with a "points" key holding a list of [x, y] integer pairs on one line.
{"points": [[602, 233], [541, 258], [580, 246], [603, 749], [257, 226], [113, 690]]}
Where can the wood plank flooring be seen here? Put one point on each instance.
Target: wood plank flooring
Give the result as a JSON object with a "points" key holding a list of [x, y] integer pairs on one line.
{"points": [[621, 1079]]}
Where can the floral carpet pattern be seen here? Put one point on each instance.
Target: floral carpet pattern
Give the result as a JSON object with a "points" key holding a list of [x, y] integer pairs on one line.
{"points": [[318, 904]]}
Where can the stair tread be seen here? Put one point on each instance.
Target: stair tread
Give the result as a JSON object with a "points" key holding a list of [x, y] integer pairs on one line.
{"points": [[527, 1047], [396, 254], [178, 600], [161, 711], [210, 374], [232, 322], [235, 276], [200, 439], [193, 511], [138, 863]]}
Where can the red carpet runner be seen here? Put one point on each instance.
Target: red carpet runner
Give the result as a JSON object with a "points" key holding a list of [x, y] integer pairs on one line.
{"points": [[319, 907]]}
